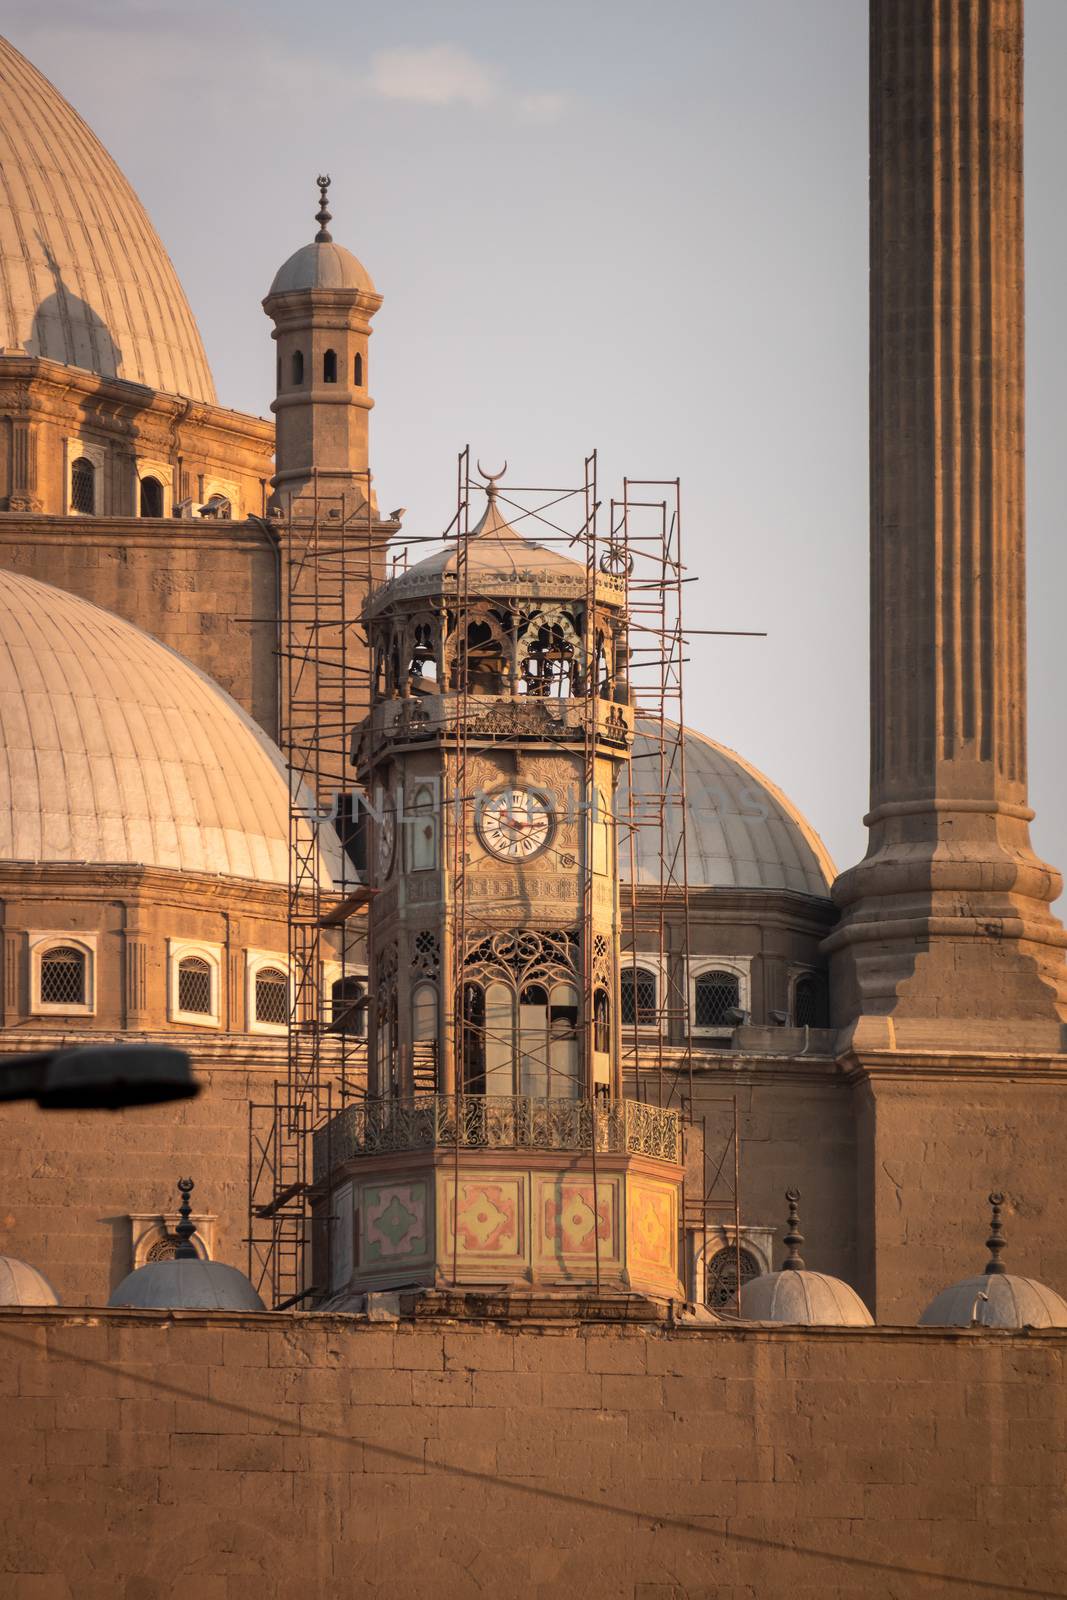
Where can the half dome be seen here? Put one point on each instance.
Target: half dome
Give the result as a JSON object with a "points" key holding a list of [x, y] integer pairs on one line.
{"points": [[115, 750], [85, 279], [741, 830]]}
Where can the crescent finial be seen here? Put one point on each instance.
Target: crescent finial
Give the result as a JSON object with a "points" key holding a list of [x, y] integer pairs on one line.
{"points": [[491, 479]]}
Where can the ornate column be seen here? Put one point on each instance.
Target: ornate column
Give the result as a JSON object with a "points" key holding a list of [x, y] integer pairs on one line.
{"points": [[947, 940]]}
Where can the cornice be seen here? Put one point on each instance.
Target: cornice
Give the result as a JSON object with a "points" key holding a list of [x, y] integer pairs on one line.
{"points": [[134, 532], [159, 885], [947, 1066]]}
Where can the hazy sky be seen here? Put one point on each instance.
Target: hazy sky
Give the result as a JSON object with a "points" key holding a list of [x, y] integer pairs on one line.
{"points": [[640, 228]]}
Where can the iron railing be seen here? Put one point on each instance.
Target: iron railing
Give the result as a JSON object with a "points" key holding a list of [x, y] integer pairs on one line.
{"points": [[496, 1122]]}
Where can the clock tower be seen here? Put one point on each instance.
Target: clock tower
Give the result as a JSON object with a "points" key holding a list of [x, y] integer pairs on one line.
{"points": [[494, 1146]]}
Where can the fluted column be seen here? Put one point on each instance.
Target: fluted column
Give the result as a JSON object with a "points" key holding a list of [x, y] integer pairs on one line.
{"points": [[946, 927]]}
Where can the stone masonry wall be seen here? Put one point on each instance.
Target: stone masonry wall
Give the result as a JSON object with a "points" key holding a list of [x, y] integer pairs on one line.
{"points": [[154, 1455]]}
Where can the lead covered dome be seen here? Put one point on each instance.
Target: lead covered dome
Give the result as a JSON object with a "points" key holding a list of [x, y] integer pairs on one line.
{"points": [[188, 1282], [115, 750], [797, 1296], [996, 1298], [85, 279], [322, 264]]}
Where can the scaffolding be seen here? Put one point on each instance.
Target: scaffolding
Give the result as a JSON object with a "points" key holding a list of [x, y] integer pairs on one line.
{"points": [[329, 553]]}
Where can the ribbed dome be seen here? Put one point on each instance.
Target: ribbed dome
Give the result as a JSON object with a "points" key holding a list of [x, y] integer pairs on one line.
{"points": [[741, 831], [322, 266], [85, 279], [1012, 1303], [116, 750], [803, 1297], [23, 1285], [187, 1286]]}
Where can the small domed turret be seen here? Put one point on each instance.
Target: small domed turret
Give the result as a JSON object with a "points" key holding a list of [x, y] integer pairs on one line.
{"points": [[187, 1283], [23, 1285], [796, 1295], [997, 1299]]}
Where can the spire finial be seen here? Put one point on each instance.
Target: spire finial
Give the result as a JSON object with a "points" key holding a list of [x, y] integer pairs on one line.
{"points": [[322, 216], [996, 1241], [490, 480], [186, 1227], [794, 1261]]}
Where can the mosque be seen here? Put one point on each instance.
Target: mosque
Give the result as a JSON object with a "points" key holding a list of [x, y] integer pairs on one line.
{"points": [[891, 1038]]}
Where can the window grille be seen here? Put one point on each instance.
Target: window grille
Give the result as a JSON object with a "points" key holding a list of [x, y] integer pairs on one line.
{"points": [[83, 486], [151, 497], [194, 986], [272, 996], [346, 1015], [63, 977], [164, 1249], [638, 997], [809, 1003], [721, 1277], [716, 993]]}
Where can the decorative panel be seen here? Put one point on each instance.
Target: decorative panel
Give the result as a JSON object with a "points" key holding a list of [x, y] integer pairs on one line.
{"points": [[490, 1220], [652, 1231], [568, 1230], [394, 1223]]}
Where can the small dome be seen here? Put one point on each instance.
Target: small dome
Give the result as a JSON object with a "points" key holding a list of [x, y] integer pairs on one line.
{"points": [[322, 266], [996, 1300], [23, 1285], [494, 547], [741, 831], [187, 1286], [803, 1297]]}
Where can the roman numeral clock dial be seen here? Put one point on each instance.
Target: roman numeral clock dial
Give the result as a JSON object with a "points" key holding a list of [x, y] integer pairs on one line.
{"points": [[514, 825]]}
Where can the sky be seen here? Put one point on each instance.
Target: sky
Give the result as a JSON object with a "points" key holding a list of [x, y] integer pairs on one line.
{"points": [[640, 229]]}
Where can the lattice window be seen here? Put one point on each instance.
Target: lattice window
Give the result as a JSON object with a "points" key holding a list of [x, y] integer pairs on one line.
{"points": [[83, 486], [638, 996], [810, 1002], [272, 996], [720, 1290], [164, 1249], [63, 977], [716, 994], [427, 953], [194, 986]]}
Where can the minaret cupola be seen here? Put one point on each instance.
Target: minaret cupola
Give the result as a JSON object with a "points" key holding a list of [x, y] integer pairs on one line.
{"points": [[321, 303]]}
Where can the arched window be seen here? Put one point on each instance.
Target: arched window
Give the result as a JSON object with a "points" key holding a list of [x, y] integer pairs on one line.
{"points": [[564, 1055], [601, 1023], [194, 986], [329, 367], [151, 497], [720, 1279], [533, 1040], [716, 993], [298, 368], [638, 996], [348, 1007], [278, 372], [272, 996], [424, 1038], [63, 977], [810, 1007], [422, 826], [83, 487], [357, 371]]}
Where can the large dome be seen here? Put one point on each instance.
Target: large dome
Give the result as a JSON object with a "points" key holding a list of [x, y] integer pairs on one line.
{"points": [[116, 750], [741, 831], [85, 279]]}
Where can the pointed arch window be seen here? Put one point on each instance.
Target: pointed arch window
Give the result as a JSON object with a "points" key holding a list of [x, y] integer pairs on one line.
{"points": [[329, 367], [357, 371], [298, 368]]}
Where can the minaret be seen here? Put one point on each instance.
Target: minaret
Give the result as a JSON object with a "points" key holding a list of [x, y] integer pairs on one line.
{"points": [[321, 303], [947, 940]]}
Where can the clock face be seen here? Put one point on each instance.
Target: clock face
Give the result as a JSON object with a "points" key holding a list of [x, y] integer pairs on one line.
{"points": [[515, 824], [386, 843]]}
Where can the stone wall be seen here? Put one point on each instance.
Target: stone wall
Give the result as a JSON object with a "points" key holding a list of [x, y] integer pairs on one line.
{"points": [[153, 1455]]}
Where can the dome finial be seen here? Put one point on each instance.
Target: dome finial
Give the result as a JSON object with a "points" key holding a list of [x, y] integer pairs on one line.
{"points": [[186, 1227], [490, 480], [322, 216], [794, 1261], [996, 1241]]}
